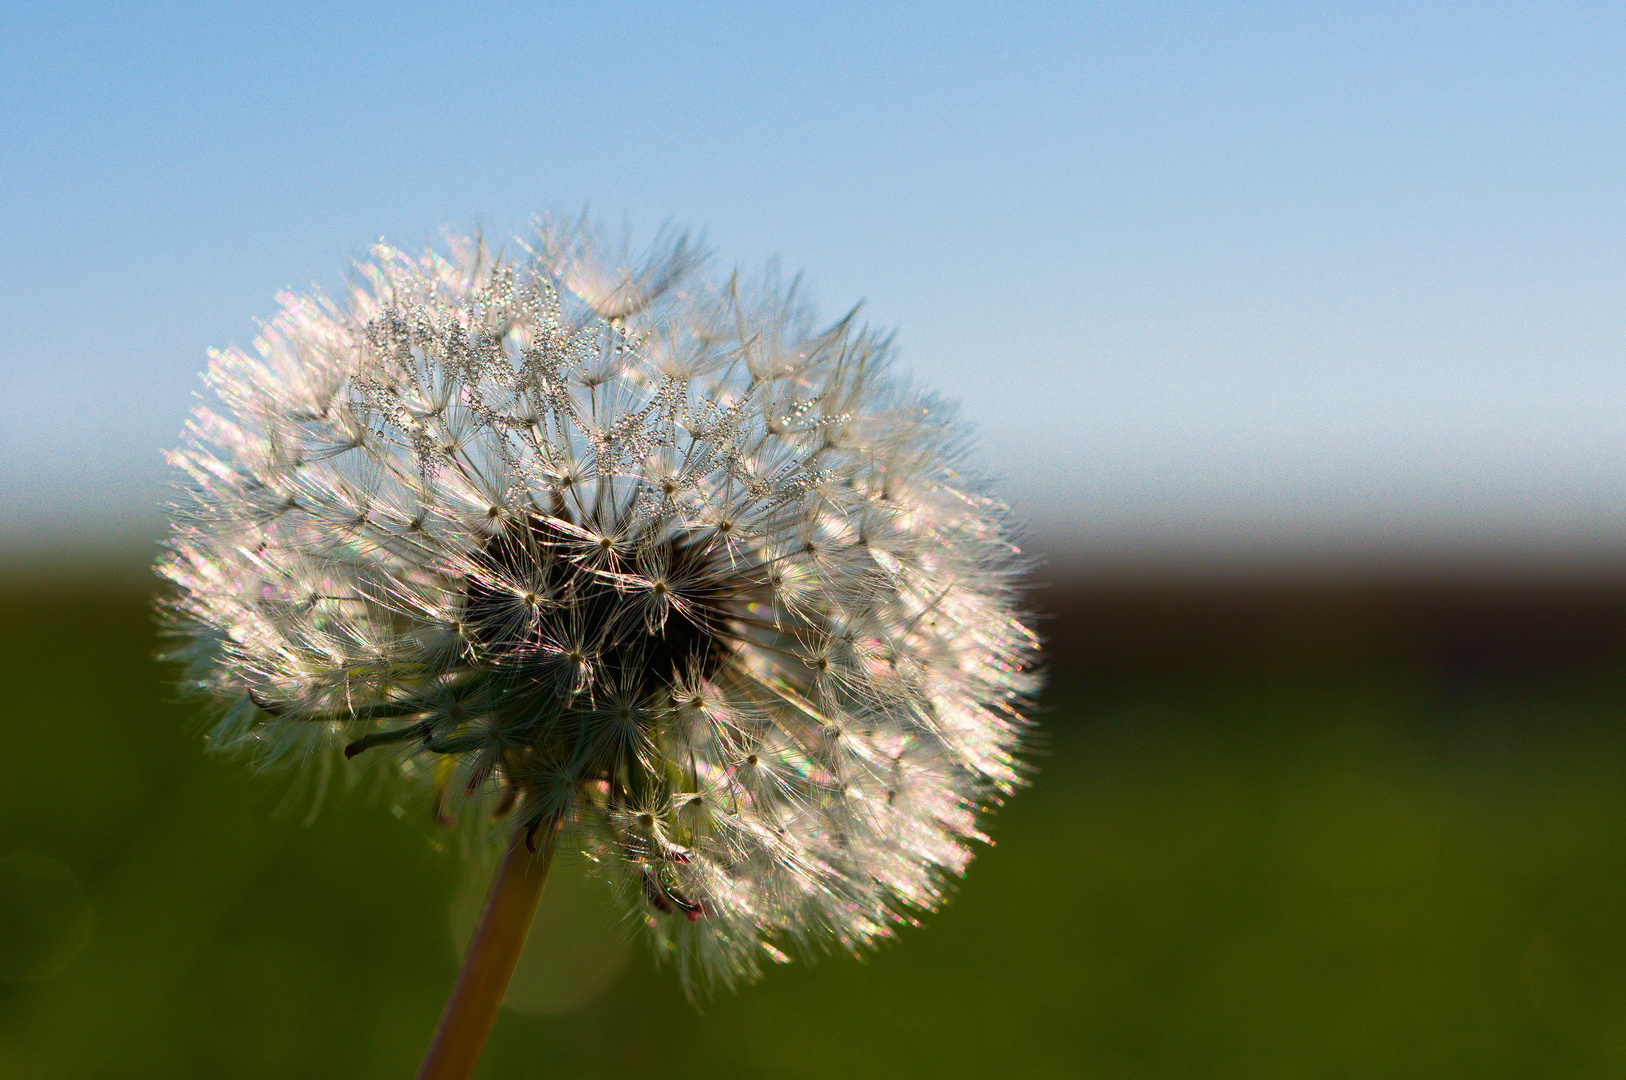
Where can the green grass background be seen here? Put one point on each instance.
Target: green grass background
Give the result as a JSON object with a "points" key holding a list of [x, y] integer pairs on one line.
{"points": [[1313, 834]]}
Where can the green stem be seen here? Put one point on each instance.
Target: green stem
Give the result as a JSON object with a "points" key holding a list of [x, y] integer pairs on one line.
{"points": [[472, 1009]]}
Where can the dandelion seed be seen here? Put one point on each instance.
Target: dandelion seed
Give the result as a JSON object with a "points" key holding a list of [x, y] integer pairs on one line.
{"points": [[667, 572]]}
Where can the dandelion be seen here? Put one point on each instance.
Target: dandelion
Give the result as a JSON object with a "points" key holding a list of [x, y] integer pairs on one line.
{"points": [[658, 570]]}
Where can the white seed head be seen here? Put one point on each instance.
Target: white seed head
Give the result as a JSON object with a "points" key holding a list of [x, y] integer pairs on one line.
{"points": [[662, 565]]}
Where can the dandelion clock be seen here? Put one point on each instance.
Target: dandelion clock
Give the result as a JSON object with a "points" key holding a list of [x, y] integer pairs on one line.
{"points": [[631, 560]]}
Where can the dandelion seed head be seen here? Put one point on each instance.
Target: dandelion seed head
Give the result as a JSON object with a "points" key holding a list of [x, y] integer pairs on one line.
{"points": [[665, 565]]}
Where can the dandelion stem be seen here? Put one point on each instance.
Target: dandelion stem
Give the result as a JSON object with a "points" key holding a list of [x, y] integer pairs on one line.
{"points": [[472, 1009]]}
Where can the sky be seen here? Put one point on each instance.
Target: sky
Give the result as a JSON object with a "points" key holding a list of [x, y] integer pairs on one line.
{"points": [[1226, 279]]}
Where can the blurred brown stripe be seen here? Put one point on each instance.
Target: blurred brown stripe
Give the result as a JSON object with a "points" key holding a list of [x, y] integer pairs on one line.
{"points": [[1513, 626]]}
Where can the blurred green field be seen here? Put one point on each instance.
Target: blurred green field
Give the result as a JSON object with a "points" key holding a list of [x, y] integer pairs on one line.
{"points": [[1283, 834]]}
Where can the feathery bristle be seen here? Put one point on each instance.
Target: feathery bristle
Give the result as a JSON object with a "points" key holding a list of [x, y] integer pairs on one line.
{"points": [[667, 565]]}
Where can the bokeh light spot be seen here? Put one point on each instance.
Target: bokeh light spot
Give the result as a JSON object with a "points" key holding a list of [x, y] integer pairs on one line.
{"points": [[45, 918]]}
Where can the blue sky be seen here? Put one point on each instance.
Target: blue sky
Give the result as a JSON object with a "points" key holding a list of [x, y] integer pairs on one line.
{"points": [[1230, 278]]}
